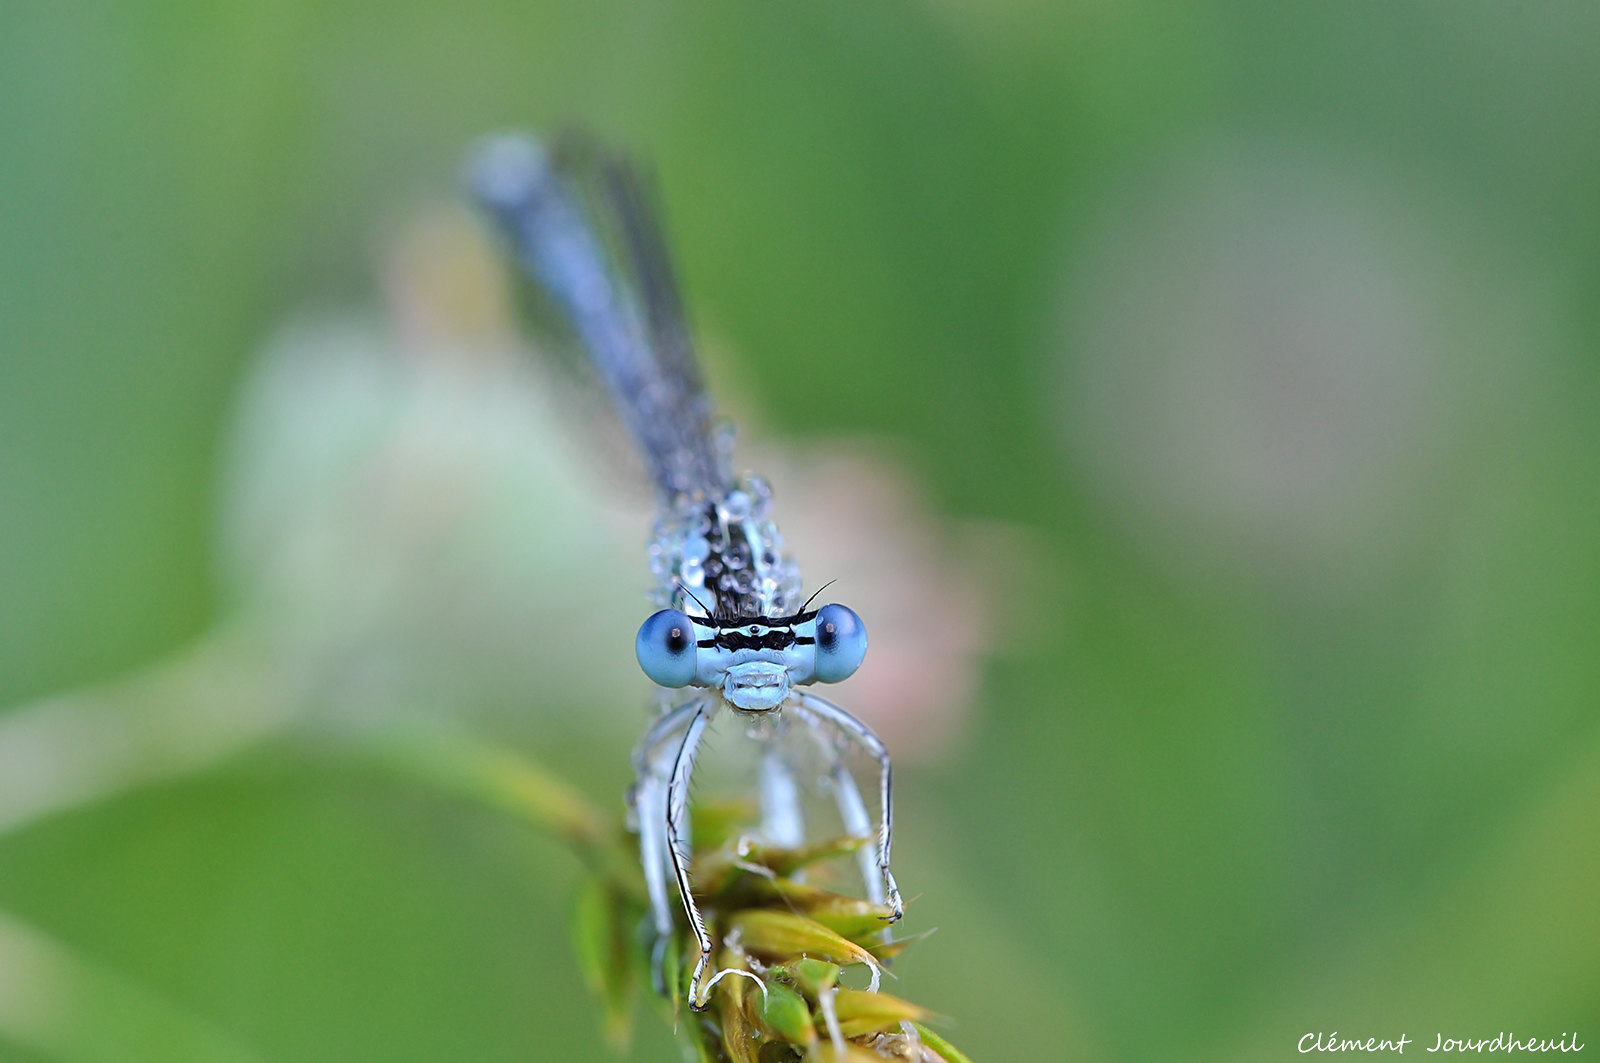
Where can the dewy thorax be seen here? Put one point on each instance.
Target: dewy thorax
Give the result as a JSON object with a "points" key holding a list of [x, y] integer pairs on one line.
{"points": [[725, 555]]}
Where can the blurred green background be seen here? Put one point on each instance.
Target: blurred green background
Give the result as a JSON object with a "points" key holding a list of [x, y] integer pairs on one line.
{"points": [[1267, 333]]}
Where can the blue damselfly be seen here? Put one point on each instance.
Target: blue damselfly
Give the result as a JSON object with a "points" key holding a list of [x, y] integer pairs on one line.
{"points": [[733, 630]]}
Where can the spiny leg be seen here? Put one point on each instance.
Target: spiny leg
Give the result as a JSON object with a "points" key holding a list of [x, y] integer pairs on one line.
{"points": [[852, 810], [677, 848], [672, 720], [860, 733], [652, 768]]}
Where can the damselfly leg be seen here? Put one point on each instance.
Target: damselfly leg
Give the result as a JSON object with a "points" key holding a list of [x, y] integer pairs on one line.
{"points": [[678, 844], [820, 711]]}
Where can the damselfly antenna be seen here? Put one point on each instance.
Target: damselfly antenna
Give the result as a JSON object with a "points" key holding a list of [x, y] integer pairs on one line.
{"points": [[814, 595]]}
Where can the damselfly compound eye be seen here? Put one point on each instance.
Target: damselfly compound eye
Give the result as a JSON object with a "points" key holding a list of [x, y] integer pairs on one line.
{"points": [[666, 648], [841, 643]]}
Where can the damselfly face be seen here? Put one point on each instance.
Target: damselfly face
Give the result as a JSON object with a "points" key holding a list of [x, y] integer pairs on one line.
{"points": [[752, 661]]}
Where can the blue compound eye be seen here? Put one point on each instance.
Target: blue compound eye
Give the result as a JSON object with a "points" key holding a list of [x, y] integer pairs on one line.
{"points": [[841, 643], [666, 648]]}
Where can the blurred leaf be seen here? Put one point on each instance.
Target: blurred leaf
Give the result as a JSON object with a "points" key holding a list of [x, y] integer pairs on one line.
{"points": [[1515, 933], [166, 721], [502, 779], [603, 930], [72, 1009]]}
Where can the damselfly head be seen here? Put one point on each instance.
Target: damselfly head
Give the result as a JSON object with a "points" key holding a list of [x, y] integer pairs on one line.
{"points": [[752, 660]]}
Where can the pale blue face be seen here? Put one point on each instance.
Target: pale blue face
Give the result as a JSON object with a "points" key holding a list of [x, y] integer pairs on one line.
{"points": [[755, 661]]}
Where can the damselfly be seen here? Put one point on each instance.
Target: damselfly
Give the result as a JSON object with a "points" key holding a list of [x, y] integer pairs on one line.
{"points": [[733, 631]]}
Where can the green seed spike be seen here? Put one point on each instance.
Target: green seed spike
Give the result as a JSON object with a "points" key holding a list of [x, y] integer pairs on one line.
{"points": [[813, 976], [824, 1052], [804, 951], [740, 863], [863, 1013], [785, 1015], [785, 862], [860, 921], [779, 935], [940, 1045], [887, 950]]}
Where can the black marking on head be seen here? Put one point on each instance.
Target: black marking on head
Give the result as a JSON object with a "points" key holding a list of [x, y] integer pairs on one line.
{"points": [[772, 638]]}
